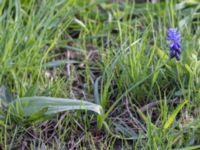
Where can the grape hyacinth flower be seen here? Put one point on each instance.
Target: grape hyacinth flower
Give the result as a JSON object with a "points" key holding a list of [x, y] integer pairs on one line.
{"points": [[175, 46]]}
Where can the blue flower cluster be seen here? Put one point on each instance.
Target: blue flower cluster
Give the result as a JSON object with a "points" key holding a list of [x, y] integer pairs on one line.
{"points": [[175, 45]]}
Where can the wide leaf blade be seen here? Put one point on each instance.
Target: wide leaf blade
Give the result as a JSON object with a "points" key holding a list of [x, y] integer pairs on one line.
{"points": [[30, 106]]}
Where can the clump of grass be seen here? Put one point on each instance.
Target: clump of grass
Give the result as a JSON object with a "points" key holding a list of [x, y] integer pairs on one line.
{"points": [[29, 31]]}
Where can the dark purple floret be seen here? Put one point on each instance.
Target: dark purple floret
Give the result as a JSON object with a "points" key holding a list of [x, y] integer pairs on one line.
{"points": [[175, 45]]}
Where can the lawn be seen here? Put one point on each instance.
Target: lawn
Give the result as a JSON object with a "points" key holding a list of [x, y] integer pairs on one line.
{"points": [[99, 74]]}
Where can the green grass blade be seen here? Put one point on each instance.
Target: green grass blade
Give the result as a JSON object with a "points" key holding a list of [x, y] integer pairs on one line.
{"points": [[189, 148], [174, 114], [59, 63]]}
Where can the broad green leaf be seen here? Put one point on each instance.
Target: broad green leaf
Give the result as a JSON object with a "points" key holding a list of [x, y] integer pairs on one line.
{"points": [[36, 107], [174, 114]]}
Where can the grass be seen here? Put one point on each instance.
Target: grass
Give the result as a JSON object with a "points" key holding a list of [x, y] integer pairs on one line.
{"points": [[109, 63]]}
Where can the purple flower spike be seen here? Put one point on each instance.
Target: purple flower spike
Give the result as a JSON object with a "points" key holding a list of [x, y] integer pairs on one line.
{"points": [[175, 46]]}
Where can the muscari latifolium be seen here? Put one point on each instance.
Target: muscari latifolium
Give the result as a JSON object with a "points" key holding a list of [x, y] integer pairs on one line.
{"points": [[175, 46]]}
